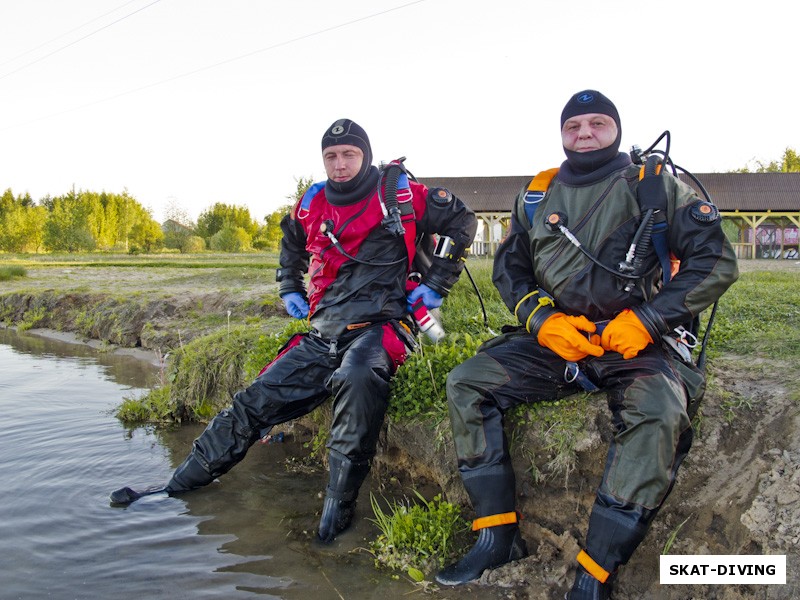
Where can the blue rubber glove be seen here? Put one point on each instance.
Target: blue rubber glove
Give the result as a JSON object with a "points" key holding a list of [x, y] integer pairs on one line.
{"points": [[296, 305], [430, 298]]}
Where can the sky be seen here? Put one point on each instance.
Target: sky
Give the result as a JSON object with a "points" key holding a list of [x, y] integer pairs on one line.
{"points": [[187, 103]]}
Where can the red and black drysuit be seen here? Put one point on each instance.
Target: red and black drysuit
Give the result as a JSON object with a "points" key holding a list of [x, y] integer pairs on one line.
{"points": [[358, 315]]}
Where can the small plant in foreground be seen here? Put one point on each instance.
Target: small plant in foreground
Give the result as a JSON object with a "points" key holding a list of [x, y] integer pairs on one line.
{"points": [[416, 537], [673, 536]]}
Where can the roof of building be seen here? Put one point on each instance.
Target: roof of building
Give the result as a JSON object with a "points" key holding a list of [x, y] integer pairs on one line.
{"points": [[751, 192]]}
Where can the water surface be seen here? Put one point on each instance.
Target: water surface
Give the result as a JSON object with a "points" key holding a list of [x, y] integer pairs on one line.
{"points": [[62, 451]]}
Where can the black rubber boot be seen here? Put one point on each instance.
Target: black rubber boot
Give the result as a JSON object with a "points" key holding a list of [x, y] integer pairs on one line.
{"points": [[492, 492], [587, 587], [346, 477], [495, 546], [190, 475], [616, 529]]}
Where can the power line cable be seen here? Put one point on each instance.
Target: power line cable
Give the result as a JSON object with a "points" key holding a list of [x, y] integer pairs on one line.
{"points": [[218, 64], [66, 33], [49, 54]]}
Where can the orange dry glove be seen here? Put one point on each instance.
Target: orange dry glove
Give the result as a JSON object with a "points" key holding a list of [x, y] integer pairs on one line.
{"points": [[562, 334], [626, 334]]}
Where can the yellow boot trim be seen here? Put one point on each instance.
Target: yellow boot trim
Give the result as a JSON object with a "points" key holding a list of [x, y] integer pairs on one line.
{"points": [[494, 520], [595, 570]]}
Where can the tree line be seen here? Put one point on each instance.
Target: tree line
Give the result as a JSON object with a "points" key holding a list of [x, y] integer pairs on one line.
{"points": [[789, 162], [86, 221]]}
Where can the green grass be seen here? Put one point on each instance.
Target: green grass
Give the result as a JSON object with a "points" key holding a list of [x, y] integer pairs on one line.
{"points": [[202, 375], [260, 260], [8, 272], [759, 316], [417, 536]]}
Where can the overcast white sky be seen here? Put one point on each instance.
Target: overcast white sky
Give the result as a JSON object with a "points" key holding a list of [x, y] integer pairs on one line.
{"points": [[201, 101]]}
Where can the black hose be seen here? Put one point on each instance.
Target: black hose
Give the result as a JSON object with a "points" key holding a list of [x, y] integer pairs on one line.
{"points": [[642, 240], [701, 358], [392, 221], [480, 298]]}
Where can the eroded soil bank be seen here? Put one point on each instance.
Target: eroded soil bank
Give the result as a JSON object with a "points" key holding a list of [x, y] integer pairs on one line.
{"points": [[737, 493]]}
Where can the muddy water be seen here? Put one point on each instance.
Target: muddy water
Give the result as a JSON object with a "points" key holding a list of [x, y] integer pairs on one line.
{"points": [[61, 452]]}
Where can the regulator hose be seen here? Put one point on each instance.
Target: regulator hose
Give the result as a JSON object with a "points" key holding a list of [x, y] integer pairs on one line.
{"points": [[636, 157], [391, 175]]}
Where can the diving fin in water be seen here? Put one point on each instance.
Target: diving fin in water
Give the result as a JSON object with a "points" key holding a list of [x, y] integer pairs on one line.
{"points": [[126, 495]]}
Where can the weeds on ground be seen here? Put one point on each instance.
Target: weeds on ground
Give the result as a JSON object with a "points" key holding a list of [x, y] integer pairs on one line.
{"points": [[733, 404], [673, 536], [418, 388], [31, 318], [202, 375], [154, 406], [416, 537], [559, 424], [12, 272]]}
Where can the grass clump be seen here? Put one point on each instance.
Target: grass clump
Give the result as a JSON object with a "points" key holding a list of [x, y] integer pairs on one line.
{"points": [[31, 318], [559, 425], [154, 406], [203, 374], [12, 272], [417, 537]]}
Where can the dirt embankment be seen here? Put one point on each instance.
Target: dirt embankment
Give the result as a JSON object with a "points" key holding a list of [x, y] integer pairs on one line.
{"points": [[738, 491], [151, 310]]}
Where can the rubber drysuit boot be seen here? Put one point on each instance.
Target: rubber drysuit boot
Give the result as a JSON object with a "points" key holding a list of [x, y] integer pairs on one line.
{"points": [[587, 587], [616, 529], [189, 475], [499, 540], [346, 477]]}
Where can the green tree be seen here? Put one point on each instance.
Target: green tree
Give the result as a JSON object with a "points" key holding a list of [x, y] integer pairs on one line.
{"points": [[21, 223], [193, 243], [177, 227], [101, 218], [82, 221], [67, 228], [146, 232], [218, 216], [230, 239], [270, 235], [788, 163]]}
